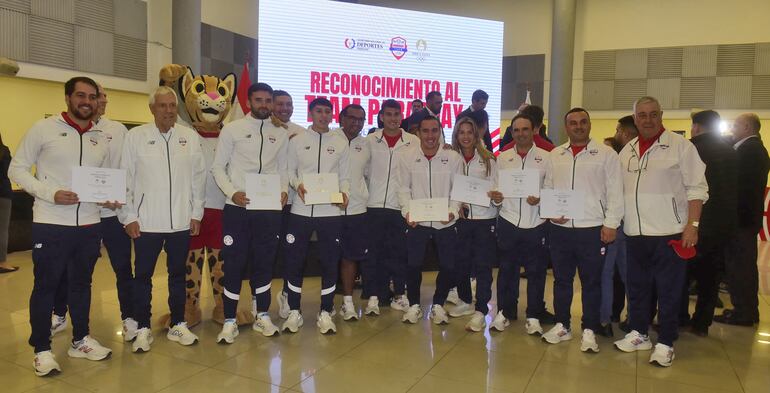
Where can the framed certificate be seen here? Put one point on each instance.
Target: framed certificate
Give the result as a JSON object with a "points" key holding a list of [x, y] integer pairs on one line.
{"points": [[263, 191], [562, 203], [321, 188], [99, 185], [430, 209], [519, 183], [470, 190]]}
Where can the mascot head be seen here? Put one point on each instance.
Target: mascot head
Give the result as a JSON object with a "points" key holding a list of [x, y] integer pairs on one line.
{"points": [[208, 99]]}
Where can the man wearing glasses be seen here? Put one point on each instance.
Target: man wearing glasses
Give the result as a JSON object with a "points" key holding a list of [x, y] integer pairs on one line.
{"points": [[665, 188]]}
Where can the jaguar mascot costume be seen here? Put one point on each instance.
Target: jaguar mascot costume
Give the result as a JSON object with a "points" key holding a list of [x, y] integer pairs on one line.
{"points": [[207, 101]]}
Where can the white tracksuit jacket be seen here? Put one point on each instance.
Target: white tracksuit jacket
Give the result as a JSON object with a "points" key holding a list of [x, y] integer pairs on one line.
{"points": [[596, 172], [516, 210], [658, 185], [249, 145], [114, 132], [54, 148], [383, 188], [476, 168], [312, 152], [165, 178], [358, 162]]}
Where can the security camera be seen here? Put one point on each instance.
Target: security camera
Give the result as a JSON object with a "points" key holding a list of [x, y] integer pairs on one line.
{"points": [[8, 67]]}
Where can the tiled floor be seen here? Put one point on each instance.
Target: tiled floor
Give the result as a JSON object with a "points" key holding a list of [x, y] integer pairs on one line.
{"points": [[372, 355]]}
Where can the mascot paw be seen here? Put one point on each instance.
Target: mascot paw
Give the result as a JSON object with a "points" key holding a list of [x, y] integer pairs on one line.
{"points": [[192, 316], [165, 321], [170, 74], [218, 315], [243, 317]]}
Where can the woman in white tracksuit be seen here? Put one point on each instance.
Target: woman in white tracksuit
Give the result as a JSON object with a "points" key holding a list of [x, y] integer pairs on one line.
{"points": [[475, 228]]}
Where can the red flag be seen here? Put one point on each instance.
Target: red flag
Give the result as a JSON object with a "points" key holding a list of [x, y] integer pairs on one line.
{"points": [[243, 88]]}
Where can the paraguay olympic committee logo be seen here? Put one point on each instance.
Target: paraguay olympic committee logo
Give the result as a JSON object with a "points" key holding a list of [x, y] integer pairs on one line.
{"points": [[350, 43], [421, 48], [398, 47]]}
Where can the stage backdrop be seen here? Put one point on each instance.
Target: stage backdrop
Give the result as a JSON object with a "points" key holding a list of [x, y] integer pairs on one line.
{"points": [[353, 53]]}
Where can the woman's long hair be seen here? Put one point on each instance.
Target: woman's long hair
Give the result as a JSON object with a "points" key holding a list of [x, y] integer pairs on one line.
{"points": [[478, 143]]}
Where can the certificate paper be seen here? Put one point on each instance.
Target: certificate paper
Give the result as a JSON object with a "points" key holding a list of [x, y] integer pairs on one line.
{"points": [[519, 183], [471, 190], [263, 191], [431, 209], [562, 203], [321, 188], [99, 184]]}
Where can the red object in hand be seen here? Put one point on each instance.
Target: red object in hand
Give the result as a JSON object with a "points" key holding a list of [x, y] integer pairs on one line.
{"points": [[683, 252]]}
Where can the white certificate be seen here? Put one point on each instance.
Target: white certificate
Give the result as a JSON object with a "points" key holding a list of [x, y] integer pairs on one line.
{"points": [[471, 190], [519, 183], [321, 188], [431, 209], [99, 184], [263, 191], [562, 203]]}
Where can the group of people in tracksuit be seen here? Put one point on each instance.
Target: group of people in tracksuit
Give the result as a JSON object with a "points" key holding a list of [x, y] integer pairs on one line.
{"points": [[367, 223]]}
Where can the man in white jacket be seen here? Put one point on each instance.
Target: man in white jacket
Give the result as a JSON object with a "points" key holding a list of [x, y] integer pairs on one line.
{"points": [[315, 151], [166, 181], [427, 171], [252, 145], [592, 169], [384, 210], [65, 232], [665, 187]]}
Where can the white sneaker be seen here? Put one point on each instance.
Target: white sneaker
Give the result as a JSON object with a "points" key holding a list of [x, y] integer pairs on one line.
{"points": [[633, 342], [373, 307], [400, 303], [293, 322], [143, 341], [88, 348], [663, 355], [264, 325], [438, 315], [533, 326], [325, 323], [500, 322], [130, 327], [228, 334], [283, 304], [412, 314], [58, 324], [588, 342], [348, 311], [452, 297], [477, 322], [45, 364], [462, 309], [557, 334], [181, 334]]}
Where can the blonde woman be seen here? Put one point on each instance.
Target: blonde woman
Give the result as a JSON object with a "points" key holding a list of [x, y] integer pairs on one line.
{"points": [[476, 228]]}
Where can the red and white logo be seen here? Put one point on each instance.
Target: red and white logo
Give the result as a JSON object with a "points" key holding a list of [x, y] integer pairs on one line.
{"points": [[398, 47]]}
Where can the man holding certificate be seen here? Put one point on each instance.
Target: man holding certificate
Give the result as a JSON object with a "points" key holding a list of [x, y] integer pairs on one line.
{"points": [[318, 170], [665, 187], [425, 177], [521, 233], [65, 231], [166, 181], [583, 196], [250, 168]]}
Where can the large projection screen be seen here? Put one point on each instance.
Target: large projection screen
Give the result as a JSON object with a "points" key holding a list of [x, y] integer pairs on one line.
{"points": [[351, 53]]}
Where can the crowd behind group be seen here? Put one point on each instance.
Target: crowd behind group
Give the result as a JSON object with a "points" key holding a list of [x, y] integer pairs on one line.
{"points": [[660, 212]]}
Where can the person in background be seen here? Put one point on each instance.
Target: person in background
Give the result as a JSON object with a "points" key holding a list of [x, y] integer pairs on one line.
{"points": [[6, 194], [433, 103], [719, 219], [380, 123], [541, 141], [479, 101], [416, 107], [283, 110], [741, 265], [481, 118]]}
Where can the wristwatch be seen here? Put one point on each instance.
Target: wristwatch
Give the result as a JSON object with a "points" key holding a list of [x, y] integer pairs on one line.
{"points": [[695, 223]]}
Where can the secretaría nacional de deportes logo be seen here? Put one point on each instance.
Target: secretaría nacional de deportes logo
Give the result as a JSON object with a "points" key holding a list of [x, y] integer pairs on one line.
{"points": [[398, 47], [350, 43]]}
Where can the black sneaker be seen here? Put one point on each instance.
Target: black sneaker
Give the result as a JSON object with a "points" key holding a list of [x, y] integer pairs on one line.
{"points": [[605, 330], [625, 326], [547, 318]]}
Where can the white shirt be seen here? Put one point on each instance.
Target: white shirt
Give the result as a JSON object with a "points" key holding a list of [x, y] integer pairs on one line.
{"points": [[596, 172], [658, 185], [215, 198], [54, 148], [516, 210], [114, 132], [358, 161], [313, 152], [165, 178], [383, 185], [477, 169], [421, 178], [249, 145]]}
